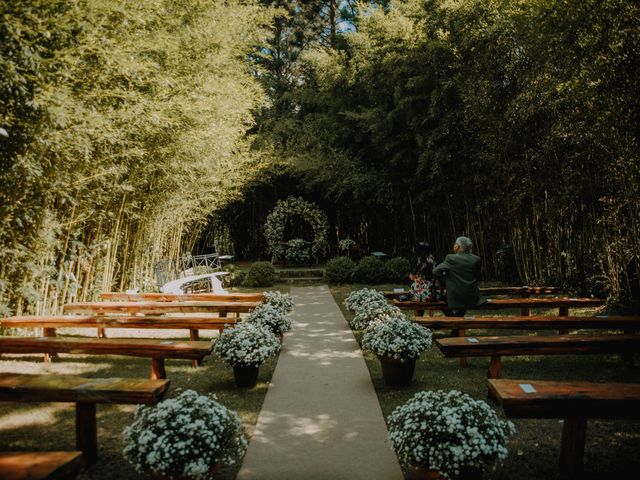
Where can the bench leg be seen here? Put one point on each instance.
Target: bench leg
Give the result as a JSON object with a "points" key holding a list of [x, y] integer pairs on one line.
{"points": [[102, 333], [222, 314], [495, 371], [157, 369], [525, 311], [563, 311], [574, 434], [49, 332], [420, 313], [461, 332], [87, 432], [194, 335]]}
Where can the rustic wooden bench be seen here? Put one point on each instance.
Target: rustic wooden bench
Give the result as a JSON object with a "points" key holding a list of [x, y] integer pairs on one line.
{"points": [[496, 347], [513, 291], [524, 304], [156, 307], [49, 323], [575, 402], [629, 324], [40, 465], [85, 393], [173, 297], [157, 350]]}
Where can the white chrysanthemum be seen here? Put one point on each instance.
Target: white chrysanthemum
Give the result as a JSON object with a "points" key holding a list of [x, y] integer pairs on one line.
{"points": [[202, 433], [271, 317], [396, 337], [246, 344], [281, 301], [363, 297], [446, 431]]}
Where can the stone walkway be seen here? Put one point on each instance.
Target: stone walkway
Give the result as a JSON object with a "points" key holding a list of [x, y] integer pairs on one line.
{"points": [[321, 418]]}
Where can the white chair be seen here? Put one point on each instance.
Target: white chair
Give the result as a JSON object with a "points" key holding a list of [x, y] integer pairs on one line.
{"points": [[177, 286]]}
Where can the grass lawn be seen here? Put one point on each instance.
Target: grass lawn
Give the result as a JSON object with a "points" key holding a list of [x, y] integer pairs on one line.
{"points": [[51, 426], [612, 446]]}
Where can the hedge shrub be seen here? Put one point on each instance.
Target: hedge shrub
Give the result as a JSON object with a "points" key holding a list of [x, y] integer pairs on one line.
{"points": [[398, 269], [339, 270], [370, 270], [261, 274]]}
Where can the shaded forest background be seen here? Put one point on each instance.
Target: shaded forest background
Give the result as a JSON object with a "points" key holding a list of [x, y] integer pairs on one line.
{"points": [[135, 131]]}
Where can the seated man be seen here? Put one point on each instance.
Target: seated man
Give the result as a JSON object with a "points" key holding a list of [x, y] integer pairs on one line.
{"points": [[461, 272]]}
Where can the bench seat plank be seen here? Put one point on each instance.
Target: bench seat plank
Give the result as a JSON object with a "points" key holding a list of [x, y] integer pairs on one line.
{"points": [[156, 307], [538, 345], [39, 465], [174, 297], [70, 388], [519, 291], [553, 399], [502, 303], [136, 347], [536, 322], [94, 321]]}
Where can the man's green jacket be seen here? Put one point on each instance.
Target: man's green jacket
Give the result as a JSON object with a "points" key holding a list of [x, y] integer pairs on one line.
{"points": [[461, 272]]}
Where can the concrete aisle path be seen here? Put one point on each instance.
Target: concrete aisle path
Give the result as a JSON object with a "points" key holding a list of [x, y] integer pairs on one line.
{"points": [[321, 418]]}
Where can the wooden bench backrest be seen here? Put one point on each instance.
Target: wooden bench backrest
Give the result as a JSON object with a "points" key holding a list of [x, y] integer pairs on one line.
{"points": [[67, 388], [153, 308], [519, 291], [538, 345], [135, 347], [172, 297], [553, 399]]}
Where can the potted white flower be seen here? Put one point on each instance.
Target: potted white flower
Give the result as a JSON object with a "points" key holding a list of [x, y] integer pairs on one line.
{"points": [[365, 296], [398, 343], [271, 317], [281, 301], [189, 436], [448, 435], [370, 313], [245, 347]]}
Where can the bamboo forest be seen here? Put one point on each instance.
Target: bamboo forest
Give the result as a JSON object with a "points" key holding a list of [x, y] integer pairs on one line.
{"points": [[133, 131]]}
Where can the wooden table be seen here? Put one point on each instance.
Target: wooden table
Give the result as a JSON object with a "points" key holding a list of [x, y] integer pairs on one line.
{"points": [[575, 402], [85, 393]]}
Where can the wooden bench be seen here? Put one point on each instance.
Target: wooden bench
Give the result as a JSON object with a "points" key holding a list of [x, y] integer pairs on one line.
{"points": [[172, 297], [40, 465], [524, 304], [158, 308], [496, 347], [513, 291], [575, 402], [627, 323], [157, 350], [85, 393]]}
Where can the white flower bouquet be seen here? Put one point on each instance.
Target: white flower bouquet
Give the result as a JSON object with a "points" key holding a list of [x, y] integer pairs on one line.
{"points": [[448, 432], [346, 244], [281, 301], [397, 338], [365, 296], [184, 436], [247, 344], [270, 317], [368, 314]]}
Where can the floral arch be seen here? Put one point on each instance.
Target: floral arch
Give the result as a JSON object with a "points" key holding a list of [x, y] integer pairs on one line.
{"points": [[274, 227]]}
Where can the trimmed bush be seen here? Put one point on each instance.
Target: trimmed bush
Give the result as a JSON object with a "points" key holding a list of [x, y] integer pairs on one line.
{"points": [[261, 274], [399, 269], [339, 270], [370, 270]]}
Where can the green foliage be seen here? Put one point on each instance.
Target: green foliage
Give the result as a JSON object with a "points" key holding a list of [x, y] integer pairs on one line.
{"points": [[370, 270], [260, 274], [339, 270], [398, 269]]}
